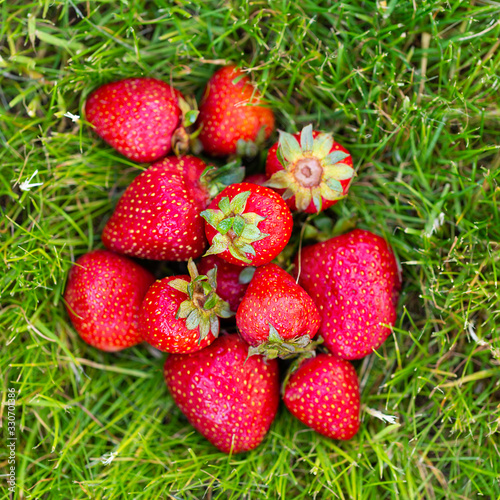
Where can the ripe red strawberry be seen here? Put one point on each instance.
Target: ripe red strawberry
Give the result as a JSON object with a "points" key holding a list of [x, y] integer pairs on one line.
{"points": [[324, 394], [232, 281], [259, 179], [247, 224], [158, 216], [103, 296], [354, 281], [181, 313], [232, 112], [136, 116], [276, 316], [229, 399], [310, 169]]}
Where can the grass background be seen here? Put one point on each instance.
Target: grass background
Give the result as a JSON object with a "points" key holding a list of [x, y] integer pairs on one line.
{"points": [[411, 88]]}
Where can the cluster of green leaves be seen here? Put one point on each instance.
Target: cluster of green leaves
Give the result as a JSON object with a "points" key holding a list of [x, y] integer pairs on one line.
{"points": [[411, 89]]}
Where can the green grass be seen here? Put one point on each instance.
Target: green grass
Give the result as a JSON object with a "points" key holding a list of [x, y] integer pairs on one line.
{"points": [[411, 88]]}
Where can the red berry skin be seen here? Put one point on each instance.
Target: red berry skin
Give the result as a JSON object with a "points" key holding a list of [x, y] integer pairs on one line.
{"points": [[259, 179], [354, 281], [158, 324], [278, 223], [274, 297], [230, 112], [103, 296], [136, 116], [229, 287], [273, 165], [324, 394], [158, 216], [229, 399]]}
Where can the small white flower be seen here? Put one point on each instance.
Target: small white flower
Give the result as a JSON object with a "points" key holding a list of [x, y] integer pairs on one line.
{"points": [[27, 185], [74, 118]]}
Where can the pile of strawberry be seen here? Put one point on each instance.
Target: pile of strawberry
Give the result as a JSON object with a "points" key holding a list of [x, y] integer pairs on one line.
{"points": [[344, 291]]}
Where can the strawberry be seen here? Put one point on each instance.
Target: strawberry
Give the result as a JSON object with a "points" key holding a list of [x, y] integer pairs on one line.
{"points": [[354, 281], [139, 117], [259, 179], [158, 216], [323, 393], [232, 114], [312, 174], [103, 296], [180, 314], [247, 224], [276, 316], [232, 281], [229, 399]]}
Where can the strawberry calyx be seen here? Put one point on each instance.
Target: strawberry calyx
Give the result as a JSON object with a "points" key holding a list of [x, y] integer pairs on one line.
{"points": [[307, 353], [215, 179], [276, 346], [203, 306], [310, 171], [184, 136], [250, 149], [246, 275], [237, 230]]}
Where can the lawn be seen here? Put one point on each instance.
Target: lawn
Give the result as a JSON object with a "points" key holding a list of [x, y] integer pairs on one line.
{"points": [[412, 89]]}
